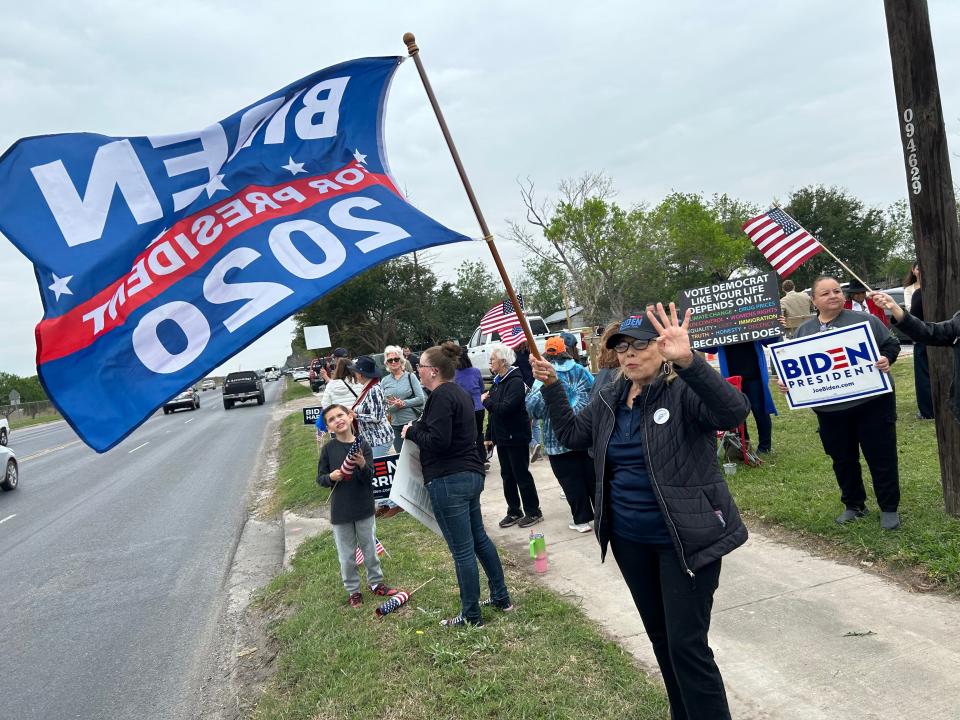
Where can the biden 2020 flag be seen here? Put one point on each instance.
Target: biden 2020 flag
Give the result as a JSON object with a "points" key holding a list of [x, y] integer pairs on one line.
{"points": [[159, 257]]}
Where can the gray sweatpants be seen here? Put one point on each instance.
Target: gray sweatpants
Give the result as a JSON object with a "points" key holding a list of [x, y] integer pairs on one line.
{"points": [[347, 537]]}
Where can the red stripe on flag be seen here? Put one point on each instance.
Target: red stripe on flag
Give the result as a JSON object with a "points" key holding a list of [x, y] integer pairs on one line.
{"points": [[64, 335], [798, 260]]}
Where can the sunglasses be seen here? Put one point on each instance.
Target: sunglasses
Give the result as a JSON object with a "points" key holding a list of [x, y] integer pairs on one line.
{"points": [[393, 360], [623, 345]]}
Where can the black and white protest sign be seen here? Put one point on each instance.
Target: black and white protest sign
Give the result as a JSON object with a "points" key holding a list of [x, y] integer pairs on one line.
{"points": [[735, 311]]}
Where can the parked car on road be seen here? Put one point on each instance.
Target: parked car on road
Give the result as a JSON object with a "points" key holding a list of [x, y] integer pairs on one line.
{"points": [[240, 387], [208, 384], [10, 469], [4, 431], [300, 374], [189, 399]]}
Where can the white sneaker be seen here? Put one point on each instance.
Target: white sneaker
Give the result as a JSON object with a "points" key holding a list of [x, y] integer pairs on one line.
{"points": [[563, 495], [580, 528]]}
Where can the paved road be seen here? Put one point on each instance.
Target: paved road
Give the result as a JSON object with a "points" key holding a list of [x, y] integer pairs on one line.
{"points": [[111, 565]]}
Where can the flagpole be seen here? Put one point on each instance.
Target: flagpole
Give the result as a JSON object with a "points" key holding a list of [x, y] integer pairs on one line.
{"points": [[828, 252], [411, 42], [843, 265]]}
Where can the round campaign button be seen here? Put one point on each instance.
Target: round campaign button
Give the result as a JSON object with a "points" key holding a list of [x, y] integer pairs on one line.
{"points": [[661, 416]]}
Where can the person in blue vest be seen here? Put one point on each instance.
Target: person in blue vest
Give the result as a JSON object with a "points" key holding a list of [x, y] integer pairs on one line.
{"points": [[749, 362]]}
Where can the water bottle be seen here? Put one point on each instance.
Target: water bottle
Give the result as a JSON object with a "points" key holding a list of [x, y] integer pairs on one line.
{"points": [[538, 551]]}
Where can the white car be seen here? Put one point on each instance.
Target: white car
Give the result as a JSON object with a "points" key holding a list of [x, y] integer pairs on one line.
{"points": [[9, 470], [300, 374], [208, 384], [4, 431]]}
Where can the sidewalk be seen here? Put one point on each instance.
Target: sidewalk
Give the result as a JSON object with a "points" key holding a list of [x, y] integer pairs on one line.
{"points": [[783, 623]]}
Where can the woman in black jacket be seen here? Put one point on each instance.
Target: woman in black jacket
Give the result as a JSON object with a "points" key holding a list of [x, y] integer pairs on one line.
{"points": [[944, 334], [446, 435], [508, 427], [662, 503]]}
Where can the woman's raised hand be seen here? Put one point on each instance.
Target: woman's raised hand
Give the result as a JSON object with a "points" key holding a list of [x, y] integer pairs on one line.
{"points": [[887, 303], [674, 342], [543, 371]]}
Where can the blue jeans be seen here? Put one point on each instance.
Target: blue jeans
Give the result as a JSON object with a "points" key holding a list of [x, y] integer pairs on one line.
{"points": [[456, 505]]}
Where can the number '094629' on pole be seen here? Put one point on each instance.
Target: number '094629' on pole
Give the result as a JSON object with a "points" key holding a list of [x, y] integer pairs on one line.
{"points": [[158, 258], [910, 148]]}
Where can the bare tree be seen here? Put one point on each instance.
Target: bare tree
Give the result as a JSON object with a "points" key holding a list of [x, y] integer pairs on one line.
{"points": [[587, 236]]}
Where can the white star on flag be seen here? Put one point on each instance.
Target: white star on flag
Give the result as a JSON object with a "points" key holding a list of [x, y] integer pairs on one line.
{"points": [[60, 285], [216, 183], [362, 159], [294, 167]]}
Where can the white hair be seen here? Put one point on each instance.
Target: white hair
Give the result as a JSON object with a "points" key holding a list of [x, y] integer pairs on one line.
{"points": [[392, 349], [503, 352]]}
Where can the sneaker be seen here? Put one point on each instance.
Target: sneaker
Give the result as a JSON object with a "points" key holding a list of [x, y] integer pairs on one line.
{"points": [[510, 520], [764, 450], [537, 453], [563, 495], [850, 514], [528, 520], [458, 621], [580, 527], [502, 608], [889, 520], [383, 590], [356, 600], [923, 417]]}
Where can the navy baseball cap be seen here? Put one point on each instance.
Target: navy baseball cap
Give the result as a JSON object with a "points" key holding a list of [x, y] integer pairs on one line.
{"points": [[637, 327], [340, 352]]}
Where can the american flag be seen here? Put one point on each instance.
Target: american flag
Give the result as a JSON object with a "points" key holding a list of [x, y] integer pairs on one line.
{"points": [[359, 554], [500, 316], [513, 337], [348, 465], [782, 241]]}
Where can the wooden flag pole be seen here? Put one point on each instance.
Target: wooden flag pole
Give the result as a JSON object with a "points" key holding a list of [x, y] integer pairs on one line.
{"points": [[411, 42], [844, 266]]}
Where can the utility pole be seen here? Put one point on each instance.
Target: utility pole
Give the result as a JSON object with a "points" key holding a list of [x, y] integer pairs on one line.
{"points": [[932, 206]]}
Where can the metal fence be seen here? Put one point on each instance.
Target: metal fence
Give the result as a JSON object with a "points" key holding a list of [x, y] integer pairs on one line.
{"points": [[28, 411]]}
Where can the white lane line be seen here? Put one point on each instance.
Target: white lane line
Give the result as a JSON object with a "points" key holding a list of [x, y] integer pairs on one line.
{"points": [[187, 422], [49, 450], [8, 517], [138, 447]]}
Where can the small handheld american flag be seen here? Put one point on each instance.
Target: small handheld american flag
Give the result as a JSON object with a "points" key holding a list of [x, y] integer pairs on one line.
{"points": [[359, 553], [501, 316], [349, 464], [781, 239]]}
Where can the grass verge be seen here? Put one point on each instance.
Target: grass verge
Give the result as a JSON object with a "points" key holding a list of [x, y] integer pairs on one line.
{"points": [[796, 488], [545, 660], [294, 390], [38, 420]]}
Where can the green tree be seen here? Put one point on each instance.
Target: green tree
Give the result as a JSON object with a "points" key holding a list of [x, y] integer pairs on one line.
{"points": [[542, 285], [594, 240], [699, 241], [29, 388]]}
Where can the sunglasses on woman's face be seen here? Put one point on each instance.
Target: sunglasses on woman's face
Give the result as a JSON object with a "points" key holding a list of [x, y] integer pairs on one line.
{"points": [[623, 345], [392, 360]]}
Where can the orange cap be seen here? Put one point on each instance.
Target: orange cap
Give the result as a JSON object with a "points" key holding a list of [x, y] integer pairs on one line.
{"points": [[554, 346]]}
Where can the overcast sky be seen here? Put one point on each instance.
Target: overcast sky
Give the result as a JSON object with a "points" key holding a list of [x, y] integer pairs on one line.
{"points": [[753, 99]]}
